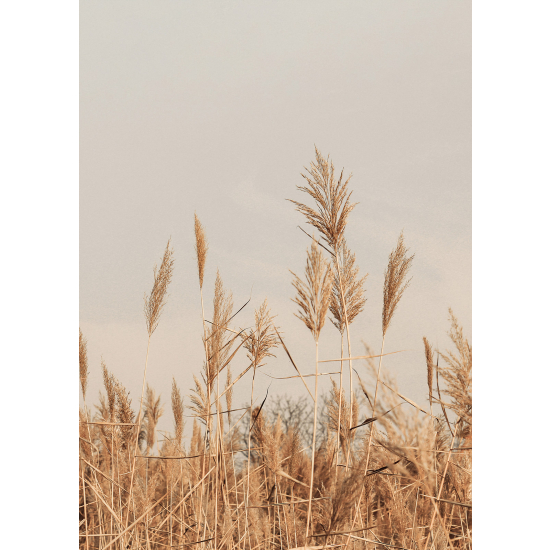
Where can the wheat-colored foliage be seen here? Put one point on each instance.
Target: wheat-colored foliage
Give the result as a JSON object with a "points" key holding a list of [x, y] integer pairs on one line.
{"points": [[407, 457], [395, 282], [273, 477]]}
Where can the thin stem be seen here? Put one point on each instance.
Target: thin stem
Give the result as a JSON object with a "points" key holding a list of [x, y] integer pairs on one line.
{"points": [[313, 442], [340, 398], [208, 419], [249, 456], [435, 450], [414, 517], [219, 452], [294, 514], [234, 478], [349, 351]]}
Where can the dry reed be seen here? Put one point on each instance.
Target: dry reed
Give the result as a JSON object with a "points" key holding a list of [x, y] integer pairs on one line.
{"points": [[313, 299], [333, 206], [270, 477]]}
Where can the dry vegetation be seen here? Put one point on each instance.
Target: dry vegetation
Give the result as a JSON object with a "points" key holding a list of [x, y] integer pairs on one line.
{"points": [[313, 474]]}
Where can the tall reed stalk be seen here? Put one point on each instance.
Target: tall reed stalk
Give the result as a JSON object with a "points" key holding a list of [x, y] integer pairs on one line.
{"points": [[154, 305], [395, 284], [313, 299], [333, 206]]}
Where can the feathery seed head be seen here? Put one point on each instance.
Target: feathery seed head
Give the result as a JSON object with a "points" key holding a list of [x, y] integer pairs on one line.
{"points": [[352, 290], [177, 410], [217, 342], [153, 412], [294, 451], [201, 248], [155, 302], [430, 364], [263, 338], [394, 281], [331, 197], [229, 392], [458, 374], [109, 382], [124, 412], [313, 296], [199, 401]]}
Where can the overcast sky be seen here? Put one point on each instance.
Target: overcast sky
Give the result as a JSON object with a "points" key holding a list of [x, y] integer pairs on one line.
{"points": [[215, 107]]}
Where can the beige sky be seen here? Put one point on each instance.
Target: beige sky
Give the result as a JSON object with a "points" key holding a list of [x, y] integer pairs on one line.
{"points": [[216, 107]]}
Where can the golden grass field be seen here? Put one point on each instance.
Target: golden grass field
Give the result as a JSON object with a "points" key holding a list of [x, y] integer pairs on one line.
{"points": [[360, 472]]}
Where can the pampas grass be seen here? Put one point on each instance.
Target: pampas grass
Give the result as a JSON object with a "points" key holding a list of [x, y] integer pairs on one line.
{"points": [[267, 475]]}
